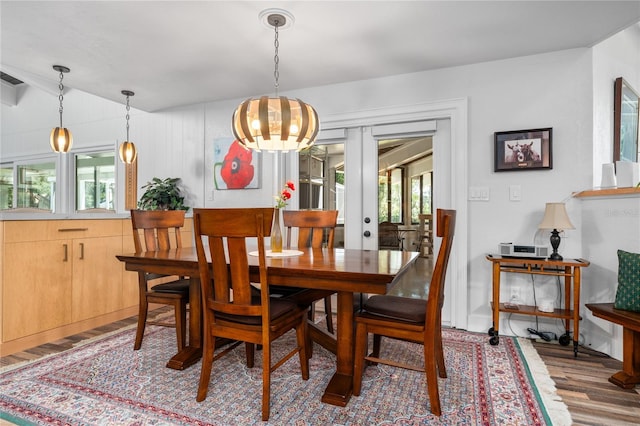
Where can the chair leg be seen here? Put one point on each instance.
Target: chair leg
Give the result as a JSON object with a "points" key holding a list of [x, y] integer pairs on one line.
{"points": [[360, 353], [180, 309], [207, 365], [142, 322], [250, 350], [432, 380], [439, 354], [266, 381], [329, 313], [376, 345]]}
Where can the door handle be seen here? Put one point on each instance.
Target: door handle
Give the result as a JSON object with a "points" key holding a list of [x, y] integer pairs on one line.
{"points": [[66, 252], [81, 251]]}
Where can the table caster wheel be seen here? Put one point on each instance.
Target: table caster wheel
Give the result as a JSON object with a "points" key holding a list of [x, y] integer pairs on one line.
{"points": [[492, 331], [494, 340], [564, 340]]}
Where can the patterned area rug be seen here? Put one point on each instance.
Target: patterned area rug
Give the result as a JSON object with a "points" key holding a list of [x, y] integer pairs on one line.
{"points": [[105, 382]]}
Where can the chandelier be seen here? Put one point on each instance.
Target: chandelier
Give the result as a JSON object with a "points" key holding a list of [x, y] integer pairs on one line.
{"points": [[278, 123], [127, 151]]}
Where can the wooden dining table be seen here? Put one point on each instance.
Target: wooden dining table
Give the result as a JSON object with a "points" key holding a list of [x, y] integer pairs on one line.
{"points": [[345, 271]]}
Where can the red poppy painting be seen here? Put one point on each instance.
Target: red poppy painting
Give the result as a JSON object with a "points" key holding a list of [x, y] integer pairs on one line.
{"points": [[235, 167]]}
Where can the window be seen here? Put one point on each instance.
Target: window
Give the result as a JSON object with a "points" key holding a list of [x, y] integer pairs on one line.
{"points": [[95, 181], [36, 186], [420, 196], [6, 187], [390, 196]]}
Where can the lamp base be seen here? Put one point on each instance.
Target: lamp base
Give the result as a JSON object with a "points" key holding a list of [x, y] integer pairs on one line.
{"points": [[555, 256], [555, 243]]}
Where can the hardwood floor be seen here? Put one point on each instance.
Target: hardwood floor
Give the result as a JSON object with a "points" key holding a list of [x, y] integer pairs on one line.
{"points": [[583, 385]]}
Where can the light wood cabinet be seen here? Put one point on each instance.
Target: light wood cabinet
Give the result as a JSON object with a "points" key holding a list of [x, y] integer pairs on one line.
{"points": [[60, 277], [36, 287], [59, 271], [96, 289]]}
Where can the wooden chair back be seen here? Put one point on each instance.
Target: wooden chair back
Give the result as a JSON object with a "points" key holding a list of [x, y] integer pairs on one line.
{"points": [[389, 236], [312, 226], [445, 229], [155, 226], [227, 288]]}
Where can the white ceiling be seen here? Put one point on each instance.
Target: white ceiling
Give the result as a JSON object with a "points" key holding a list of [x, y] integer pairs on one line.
{"points": [[173, 53]]}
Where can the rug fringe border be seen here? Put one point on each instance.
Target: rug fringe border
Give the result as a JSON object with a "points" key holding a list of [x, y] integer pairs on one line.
{"points": [[547, 391]]}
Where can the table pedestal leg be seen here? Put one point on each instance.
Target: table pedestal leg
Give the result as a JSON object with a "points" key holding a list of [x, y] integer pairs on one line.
{"points": [[340, 387]]}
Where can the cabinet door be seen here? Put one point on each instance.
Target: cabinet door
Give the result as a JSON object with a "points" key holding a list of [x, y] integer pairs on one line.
{"points": [[97, 277], [36, 287]]}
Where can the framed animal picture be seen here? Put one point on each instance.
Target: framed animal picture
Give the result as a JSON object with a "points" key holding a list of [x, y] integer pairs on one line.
{"points": [[523, 150]]}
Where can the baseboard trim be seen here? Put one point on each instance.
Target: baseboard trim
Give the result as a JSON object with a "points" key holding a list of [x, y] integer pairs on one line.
{"points": [[18, 345]]}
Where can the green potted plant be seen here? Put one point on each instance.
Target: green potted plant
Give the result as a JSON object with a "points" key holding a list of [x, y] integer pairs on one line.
{"points": [[162, 194]]}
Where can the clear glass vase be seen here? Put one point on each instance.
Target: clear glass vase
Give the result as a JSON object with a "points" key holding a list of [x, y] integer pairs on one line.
{"points": [[276, 233]]}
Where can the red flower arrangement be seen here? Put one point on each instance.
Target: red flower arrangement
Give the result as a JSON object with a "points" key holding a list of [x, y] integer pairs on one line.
{"points": [[285, 195]]}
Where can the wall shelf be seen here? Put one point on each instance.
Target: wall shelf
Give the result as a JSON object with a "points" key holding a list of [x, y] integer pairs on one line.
{"points": [[607, 192]]}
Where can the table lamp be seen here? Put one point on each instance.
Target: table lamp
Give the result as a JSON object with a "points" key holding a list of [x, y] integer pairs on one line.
{"points": [[555, 217]]}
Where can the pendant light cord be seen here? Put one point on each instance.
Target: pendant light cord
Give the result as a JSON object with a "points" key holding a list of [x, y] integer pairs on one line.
{"points": [[127, 117], [61, 96], [276, 59]]}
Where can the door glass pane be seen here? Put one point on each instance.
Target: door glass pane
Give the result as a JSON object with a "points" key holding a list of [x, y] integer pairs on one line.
{"points": [[36, 185], [416, 190], [6, 187], [396, 195], [322, 179], [425, 206], [383, 198], [95, 181]]}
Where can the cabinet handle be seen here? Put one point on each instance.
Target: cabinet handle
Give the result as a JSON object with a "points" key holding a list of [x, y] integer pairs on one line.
{"points": [[72, 229], [66, 252], [81, 251]]}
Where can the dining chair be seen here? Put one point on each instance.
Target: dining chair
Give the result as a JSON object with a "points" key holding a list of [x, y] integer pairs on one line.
{"points": [[156, 227], [414, 320], [312, 226], [389, 236], [231, 309]]}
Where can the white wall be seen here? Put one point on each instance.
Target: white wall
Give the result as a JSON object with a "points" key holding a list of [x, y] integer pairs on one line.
{"points": [[549, 90], [618, 56], [609, 223]]}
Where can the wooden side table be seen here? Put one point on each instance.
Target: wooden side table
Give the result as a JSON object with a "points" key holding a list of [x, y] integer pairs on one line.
{"points": [[568, 268]]}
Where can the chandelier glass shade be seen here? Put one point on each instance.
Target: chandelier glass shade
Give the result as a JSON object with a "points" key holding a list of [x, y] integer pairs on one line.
{"points": [[128, 152], [61, 138], [275, 123]]}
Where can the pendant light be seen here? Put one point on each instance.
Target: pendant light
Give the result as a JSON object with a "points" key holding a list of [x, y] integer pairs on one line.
{"points": [[61, 138], [128, 152], [278, 123]]}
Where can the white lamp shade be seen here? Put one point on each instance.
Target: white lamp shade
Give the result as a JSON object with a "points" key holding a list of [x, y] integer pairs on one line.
{"points": [[61, 139], [556, 217], [128, 152], [275, 124]]}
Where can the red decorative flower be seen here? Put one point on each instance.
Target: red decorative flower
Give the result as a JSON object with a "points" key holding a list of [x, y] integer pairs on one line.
{"points": [[237, 171], [281, 200]]}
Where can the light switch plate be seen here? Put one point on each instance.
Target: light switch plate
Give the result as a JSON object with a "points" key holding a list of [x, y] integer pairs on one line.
{"points": [[515, 193], [479, 193]]}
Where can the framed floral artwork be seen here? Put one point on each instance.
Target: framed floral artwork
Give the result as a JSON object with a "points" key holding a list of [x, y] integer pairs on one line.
{"points": [[234, 166]]}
